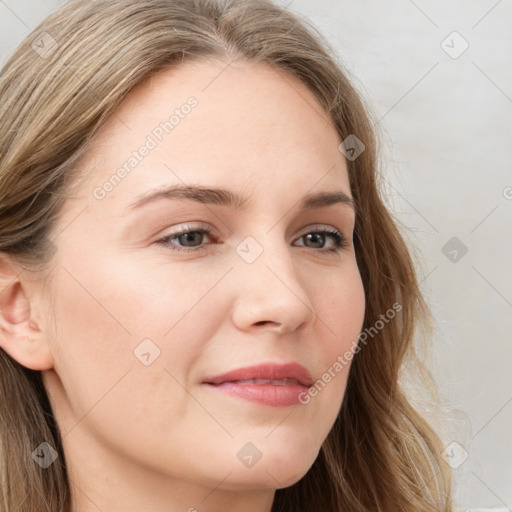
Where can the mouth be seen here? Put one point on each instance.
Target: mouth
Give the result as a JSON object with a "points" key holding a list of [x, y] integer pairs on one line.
{"points": [[277, 385], [281, 382]]}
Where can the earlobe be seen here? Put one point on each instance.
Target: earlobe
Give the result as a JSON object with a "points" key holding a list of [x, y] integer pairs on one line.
{"points": [[20, 335]]}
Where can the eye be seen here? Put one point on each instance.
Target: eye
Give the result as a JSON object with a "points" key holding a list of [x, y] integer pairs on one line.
{"points": [[320, 234], [188, 235], [191, 237]]}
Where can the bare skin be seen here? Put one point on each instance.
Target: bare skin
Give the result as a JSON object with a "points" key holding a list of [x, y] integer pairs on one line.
{"points": [[155, 437]]}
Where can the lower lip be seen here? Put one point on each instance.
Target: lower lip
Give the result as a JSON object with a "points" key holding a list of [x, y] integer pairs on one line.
{"points": [[266, 394]]}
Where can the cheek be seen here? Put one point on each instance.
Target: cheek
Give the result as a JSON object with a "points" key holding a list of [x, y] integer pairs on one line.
{"points": [[113, 315], [129, 296], [341, 308], [105, 335], [340, 315]]}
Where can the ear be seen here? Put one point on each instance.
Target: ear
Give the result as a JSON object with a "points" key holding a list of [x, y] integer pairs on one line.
{"points": [[20, 335]]}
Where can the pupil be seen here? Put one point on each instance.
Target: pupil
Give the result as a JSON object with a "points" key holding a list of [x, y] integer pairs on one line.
{"points": [[317, 236], [189, 237]]}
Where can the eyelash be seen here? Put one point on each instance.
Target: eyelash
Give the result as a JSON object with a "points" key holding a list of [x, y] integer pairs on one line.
{"points": [[339, 239]]}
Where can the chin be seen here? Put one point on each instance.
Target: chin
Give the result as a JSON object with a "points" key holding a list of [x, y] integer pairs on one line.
{"points": [[288, 476], [278, 467], [265, 478]]}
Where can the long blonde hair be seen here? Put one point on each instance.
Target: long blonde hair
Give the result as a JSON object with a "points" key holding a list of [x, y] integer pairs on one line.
{"points": [[58, 88]]}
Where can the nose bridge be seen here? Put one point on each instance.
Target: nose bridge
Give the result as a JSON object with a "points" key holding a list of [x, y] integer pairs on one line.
{"points": [[270, 288]]}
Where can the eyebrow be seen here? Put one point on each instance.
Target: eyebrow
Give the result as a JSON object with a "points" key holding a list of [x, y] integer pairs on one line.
{"points": [[233, 200]]}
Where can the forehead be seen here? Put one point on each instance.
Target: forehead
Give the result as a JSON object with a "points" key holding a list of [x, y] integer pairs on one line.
{"points": [[242, 125]]}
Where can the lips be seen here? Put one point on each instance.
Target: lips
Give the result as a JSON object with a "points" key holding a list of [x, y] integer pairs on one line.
{"points": [[269, 384], [283, 382], [288, 374]]}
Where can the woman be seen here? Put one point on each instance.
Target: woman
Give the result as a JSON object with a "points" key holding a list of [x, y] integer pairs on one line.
{"points": [[206, 305]]}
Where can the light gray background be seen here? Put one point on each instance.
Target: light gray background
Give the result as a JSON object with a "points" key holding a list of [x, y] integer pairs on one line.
{"points": [[447, 131]]}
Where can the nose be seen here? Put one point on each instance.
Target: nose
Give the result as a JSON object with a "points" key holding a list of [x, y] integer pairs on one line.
{"points": [[272, 294]]}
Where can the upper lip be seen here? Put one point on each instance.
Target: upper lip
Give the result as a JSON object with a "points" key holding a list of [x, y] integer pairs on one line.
{"points": [[271, 371]]}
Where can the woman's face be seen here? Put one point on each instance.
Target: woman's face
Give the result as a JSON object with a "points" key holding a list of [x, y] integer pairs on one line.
{"points": [[144, 318]]}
